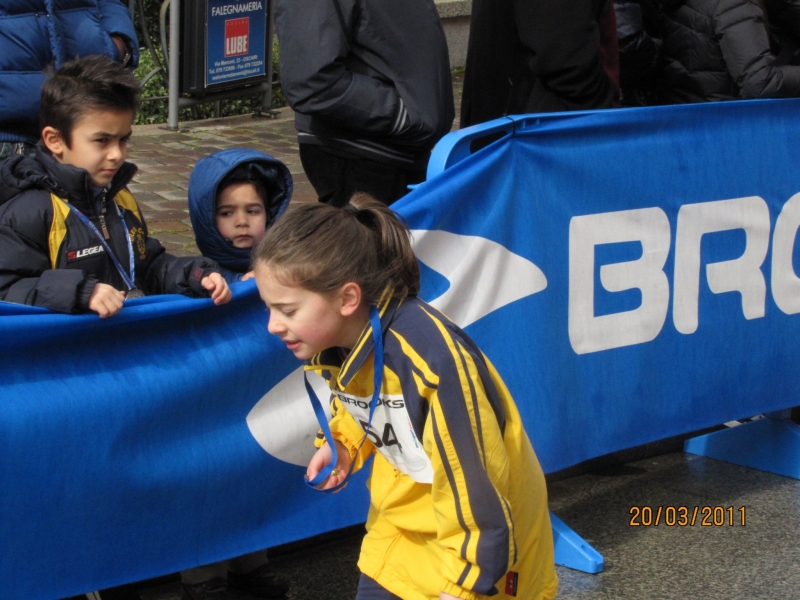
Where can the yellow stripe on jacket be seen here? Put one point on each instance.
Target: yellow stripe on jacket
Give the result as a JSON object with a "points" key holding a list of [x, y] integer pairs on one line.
{"points": [[126, 200], [58, 228]]}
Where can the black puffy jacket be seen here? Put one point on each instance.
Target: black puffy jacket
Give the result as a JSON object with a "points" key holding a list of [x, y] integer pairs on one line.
{"points": [[370, 76], [639, 52], [529, 56], [719, 50], [49, 258]]}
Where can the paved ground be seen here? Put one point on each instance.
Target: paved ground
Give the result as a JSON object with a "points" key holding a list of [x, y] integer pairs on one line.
{"points": [[166, 159], [754, 558]]}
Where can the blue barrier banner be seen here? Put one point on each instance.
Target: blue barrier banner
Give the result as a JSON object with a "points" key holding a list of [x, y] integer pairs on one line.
{"points": [[126, 452], [658, 247], [630, 273]]}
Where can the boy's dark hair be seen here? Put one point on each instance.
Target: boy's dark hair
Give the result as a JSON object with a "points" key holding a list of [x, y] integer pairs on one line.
{"points": [[244, 174], [84, 85]]}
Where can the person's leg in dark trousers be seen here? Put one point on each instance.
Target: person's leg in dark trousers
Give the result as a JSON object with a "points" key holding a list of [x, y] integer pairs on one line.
{"points": [[336, 178], [369, 589]]}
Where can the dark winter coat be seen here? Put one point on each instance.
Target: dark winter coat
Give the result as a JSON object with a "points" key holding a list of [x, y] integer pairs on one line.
{"points": [[784, 22], [528, 56], [368, 76], [204, 184], [50, 258], [785, 14], [38, 33], [639, 53], [719, 50]]}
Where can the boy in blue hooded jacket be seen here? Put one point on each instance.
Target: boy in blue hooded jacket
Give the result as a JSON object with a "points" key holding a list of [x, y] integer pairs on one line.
{"points": [[234, 196]]}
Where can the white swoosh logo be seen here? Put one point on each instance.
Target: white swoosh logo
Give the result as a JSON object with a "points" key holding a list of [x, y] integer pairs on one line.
{"points": [[484, 276], [283, 422]]}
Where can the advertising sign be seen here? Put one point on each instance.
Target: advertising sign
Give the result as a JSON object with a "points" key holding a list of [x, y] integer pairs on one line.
{"points": [[236, 40]]}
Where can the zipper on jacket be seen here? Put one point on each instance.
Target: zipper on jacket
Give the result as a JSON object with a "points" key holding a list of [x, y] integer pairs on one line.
{"points": [[103, 207]]}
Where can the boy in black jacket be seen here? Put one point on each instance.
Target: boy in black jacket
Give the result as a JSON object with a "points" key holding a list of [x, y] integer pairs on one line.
{"points": [[72, 237]]}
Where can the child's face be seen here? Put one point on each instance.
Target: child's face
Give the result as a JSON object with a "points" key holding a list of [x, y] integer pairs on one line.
{"points": [[306, 321], [241, 217], [99, 144]]}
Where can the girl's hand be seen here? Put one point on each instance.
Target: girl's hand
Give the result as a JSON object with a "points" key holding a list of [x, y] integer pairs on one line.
{"points": [[443, 596], [322, 457]]}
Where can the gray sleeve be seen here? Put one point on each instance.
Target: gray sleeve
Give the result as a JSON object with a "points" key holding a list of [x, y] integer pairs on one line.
{"points": [[314, 72], [745, 47]]}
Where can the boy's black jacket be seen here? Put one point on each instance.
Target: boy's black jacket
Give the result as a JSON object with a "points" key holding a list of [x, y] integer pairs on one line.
{"points": [[49, 258]]}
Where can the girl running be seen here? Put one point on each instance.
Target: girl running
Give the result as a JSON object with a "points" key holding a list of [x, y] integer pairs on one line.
{"points": [[458, 499]]}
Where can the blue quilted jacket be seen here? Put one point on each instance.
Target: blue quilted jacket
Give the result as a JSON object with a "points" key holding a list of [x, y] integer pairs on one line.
{"points": [[36, 33]]}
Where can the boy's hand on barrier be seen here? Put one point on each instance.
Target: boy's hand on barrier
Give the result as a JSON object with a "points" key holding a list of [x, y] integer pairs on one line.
{"points": [[218, 288], [322, 457], [106, 300], [445, 596]]}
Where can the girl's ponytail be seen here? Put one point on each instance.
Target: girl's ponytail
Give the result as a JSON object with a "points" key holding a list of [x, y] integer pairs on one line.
{"points": [[397, 264], [321, 248]]}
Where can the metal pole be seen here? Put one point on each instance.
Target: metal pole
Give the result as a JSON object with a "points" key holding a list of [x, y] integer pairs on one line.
{"points": [[174, 55], [266, 101]]}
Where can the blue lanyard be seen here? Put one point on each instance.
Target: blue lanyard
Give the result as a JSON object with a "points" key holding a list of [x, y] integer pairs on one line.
{"points": [[377, 339], [129, 279]]}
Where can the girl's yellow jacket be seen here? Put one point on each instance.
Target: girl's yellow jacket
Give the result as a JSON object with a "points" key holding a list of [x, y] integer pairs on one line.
{"points": [[458, 499]]}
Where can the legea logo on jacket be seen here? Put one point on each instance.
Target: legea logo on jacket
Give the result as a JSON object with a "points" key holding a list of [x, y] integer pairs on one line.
{"points": [[84, 253]]}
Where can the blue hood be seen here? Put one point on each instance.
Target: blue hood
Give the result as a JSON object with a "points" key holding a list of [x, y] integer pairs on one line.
{"points": [[207, 175]]}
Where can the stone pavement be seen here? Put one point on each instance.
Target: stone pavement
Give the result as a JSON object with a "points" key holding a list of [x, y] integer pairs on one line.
{"points": [[750, 553], [165, 159]]}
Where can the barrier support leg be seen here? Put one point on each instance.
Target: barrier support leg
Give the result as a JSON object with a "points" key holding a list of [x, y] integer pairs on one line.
{"points": [[572, 551], [770, 444]]}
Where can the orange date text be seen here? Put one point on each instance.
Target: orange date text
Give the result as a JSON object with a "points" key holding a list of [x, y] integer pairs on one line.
{"points": [[687, 516]]}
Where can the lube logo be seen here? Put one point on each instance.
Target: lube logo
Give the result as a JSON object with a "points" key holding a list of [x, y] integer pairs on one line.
{"points": [[237, 34], [650, 226]]}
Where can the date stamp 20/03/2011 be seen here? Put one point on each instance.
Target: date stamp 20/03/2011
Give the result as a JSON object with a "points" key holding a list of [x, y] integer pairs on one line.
{"points": [[687, 516]]}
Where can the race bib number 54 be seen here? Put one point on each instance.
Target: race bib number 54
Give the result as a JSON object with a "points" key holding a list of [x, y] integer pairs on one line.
{"points": [[391, 433]]}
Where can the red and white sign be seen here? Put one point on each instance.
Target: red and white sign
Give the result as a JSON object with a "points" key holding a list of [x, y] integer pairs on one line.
{"points": [[237, 36]]}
